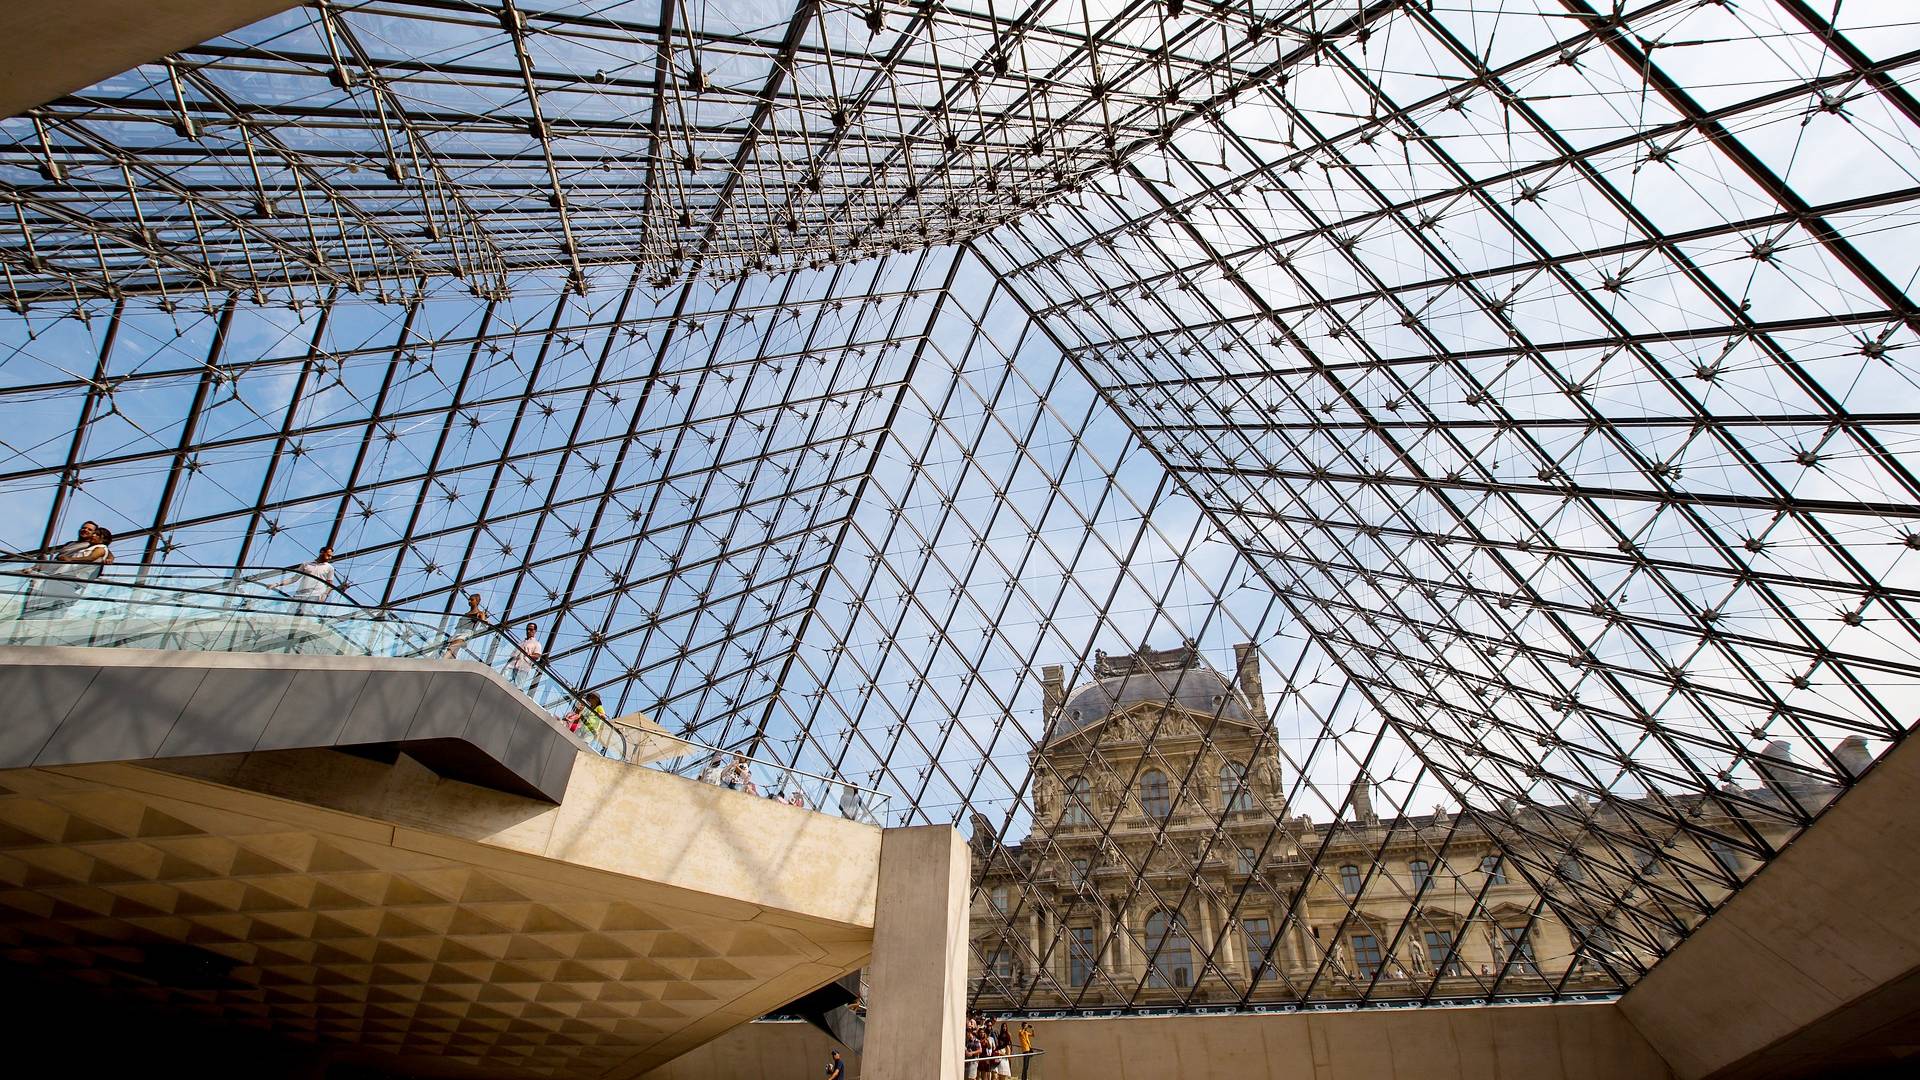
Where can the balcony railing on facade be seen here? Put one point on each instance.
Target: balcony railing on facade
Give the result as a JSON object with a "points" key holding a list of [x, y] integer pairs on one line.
{"points": [[276, 610]]}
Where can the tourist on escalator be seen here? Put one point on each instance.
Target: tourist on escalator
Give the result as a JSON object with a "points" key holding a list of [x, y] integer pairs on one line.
{"points": [[312, 582], [523, 667], [67, 570], [589, 719], [476, 621], [739, 776]]}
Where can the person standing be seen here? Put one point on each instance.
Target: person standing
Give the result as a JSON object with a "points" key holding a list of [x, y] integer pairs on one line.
{"points": [[836, 1068], [71, 566], [523, 667], [739, 776], [475, 621], [312, 581], [1025, 1035], [588, 714]]}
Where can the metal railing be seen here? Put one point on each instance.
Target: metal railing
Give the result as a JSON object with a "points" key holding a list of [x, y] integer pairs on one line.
{"points": [[1021, 1066], [279, 610]]}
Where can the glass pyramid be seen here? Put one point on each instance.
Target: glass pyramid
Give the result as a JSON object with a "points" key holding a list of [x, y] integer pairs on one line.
{"points": [[1347, 502]]}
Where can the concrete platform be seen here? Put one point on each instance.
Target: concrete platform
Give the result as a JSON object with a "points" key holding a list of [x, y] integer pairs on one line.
{"points": [[412, 922], [67, 706]]}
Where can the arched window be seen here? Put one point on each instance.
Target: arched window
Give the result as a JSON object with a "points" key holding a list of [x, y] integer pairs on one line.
{"points": [[1234, 793], [1173, 956], [1076, 802], [1153, 794]]}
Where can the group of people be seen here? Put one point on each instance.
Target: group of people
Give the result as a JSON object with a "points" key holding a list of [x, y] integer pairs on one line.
{"points": [[990, 1053], [523, 662], [737, 775], [314, 581], [67, 568]]}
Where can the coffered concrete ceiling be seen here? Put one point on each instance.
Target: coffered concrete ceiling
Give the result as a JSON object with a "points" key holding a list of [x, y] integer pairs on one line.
{"points": [[328, 927]]}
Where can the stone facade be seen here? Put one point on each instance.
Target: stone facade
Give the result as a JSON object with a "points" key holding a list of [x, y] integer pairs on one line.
{"points": [[1164, 771]]}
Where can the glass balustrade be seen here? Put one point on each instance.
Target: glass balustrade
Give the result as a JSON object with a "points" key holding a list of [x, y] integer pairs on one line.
{"points": [[197, 609], [740, 771]]}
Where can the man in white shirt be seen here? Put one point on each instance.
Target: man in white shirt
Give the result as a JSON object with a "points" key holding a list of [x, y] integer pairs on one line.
{"points": [[523, 667], [311, 581]]}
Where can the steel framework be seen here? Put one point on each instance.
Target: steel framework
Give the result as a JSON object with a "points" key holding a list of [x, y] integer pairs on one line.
{"points": [[1528, 382]]}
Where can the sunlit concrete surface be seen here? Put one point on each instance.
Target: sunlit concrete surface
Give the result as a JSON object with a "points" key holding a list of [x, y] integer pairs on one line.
{"points": [[1814, 968], [918, 982]]}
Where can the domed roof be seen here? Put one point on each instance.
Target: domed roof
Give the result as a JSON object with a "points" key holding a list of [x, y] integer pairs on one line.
{"points": [[1173, 677]]}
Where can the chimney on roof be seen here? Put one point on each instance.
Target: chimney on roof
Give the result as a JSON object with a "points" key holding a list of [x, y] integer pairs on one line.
{"points": [[1776, 767], [1853, 755], [1360, 802], [1053, 692], [1246, 667]]}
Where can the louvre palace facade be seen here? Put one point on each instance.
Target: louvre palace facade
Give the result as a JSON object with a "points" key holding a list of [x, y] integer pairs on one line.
{"points": [[1188, 792]]}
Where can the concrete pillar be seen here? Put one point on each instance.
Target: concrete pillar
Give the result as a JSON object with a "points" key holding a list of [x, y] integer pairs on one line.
{"points": [[916, 1008]]}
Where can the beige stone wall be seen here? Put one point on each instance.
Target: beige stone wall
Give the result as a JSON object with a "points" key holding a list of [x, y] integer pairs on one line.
{"points": [[775, 1051], [1316, 944], [1543, 1042]]}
